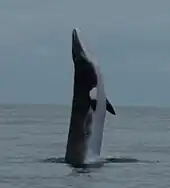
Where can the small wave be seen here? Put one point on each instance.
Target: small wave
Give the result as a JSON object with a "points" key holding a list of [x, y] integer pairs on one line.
{"points": [[54, 160], [99, 162]]}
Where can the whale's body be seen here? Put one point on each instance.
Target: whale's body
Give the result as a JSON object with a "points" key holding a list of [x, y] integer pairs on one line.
{"points": [[89, 105]]}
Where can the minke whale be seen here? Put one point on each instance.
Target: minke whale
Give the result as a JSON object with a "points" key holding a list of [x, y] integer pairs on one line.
{"points": [[89, 106]]}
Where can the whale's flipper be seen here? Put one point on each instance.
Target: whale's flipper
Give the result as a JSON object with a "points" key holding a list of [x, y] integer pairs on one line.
{"points": [[109, 107], [93, 101]]}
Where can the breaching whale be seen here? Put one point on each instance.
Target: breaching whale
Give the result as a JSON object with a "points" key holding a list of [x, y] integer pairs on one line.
{"points": [[89, 105]]}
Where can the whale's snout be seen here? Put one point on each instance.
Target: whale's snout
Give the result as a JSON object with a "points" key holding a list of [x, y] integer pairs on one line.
{"points": [[78, 51]]}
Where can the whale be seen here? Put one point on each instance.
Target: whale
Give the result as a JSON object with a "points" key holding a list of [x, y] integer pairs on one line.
{"points": [[89, 106]]}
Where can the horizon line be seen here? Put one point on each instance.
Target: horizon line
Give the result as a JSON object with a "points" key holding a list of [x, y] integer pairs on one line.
{"points": [[69, 105]]}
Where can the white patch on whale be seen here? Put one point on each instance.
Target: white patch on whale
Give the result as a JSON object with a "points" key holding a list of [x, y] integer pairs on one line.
{"points": [[93, 93]]}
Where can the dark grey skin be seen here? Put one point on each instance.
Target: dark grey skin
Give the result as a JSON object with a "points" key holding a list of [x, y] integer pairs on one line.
{"points": [[85, 79]]}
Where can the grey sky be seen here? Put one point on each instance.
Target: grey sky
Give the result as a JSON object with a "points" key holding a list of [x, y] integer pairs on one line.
{"points": [[129, 38]]}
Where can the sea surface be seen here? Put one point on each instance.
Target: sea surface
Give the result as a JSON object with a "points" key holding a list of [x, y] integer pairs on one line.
{"points": [[30, 134]]}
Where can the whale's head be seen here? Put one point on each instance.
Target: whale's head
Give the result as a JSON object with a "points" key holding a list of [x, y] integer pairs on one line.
{"points": [[83, 63], [79, 52]]}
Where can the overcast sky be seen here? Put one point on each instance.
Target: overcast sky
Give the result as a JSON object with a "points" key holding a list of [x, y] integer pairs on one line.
{"points": [[130, 39]]}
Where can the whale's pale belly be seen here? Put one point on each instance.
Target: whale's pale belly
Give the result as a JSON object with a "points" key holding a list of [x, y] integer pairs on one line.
{"points": [[98, 119]]}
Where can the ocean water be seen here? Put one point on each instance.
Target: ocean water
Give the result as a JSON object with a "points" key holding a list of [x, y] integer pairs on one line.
{"points": [[30, 134]]}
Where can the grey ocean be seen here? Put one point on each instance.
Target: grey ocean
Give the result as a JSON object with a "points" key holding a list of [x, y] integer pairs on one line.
{"points": [[29, 134]]}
